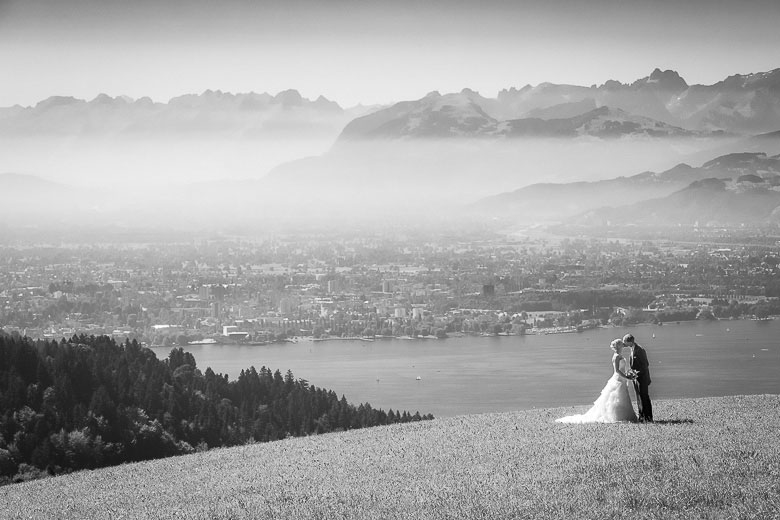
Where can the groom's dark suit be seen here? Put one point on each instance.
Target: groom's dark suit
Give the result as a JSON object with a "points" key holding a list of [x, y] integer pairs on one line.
{"points": [[639, 363]]}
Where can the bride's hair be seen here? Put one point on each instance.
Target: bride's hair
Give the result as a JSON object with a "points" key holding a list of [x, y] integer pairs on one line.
{"points": [[616, 345]]}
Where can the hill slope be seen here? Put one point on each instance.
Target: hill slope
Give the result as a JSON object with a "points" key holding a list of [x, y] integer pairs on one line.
{"points": [[748, 199], [703, 458], [548, 201]]}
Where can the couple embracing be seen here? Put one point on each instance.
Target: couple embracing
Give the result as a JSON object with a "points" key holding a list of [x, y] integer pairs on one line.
{"points": [[614, 403]]}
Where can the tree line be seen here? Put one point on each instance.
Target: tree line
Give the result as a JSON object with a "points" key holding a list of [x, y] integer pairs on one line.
{"points": [[90, 402]]}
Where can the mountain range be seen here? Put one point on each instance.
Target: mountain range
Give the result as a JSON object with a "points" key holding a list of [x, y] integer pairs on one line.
{"points": [[741, 103], [131, 144], [287, 114], [549, 150], [463, 146], [748, 200], [730, 189], [663, 100], [460, 115], [660, 104]]}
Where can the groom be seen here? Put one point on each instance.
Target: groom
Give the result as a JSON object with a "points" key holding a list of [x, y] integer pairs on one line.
{"points": [[641, 366]]}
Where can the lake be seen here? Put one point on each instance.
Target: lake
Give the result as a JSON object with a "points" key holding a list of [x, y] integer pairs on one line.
{"points": [[467, 375]]}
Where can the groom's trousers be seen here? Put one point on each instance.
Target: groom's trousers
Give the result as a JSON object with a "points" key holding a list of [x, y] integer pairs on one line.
{"points": [[643, 401]]}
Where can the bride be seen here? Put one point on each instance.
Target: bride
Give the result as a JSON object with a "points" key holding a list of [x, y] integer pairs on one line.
{"points": [[614, 403]]}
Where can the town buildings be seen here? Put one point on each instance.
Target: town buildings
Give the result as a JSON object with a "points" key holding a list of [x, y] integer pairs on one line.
{"points": [[428, 286]]}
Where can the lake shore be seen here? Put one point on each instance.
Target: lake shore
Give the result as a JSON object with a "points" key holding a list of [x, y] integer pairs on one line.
{"points": [[703, 458], [528, 332]]}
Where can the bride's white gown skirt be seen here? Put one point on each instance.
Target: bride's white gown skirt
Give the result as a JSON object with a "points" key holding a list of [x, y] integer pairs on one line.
{"points": [[613, 405]]}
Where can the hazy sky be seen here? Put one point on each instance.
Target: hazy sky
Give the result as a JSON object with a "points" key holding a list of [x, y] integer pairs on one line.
{"points": [[369, 51]]}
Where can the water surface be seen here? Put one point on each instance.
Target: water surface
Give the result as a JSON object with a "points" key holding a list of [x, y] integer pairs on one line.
{"points": [[468, 375]]}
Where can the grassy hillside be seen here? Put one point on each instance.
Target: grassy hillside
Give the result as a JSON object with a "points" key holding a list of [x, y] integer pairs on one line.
{"points": [[703, 458]]}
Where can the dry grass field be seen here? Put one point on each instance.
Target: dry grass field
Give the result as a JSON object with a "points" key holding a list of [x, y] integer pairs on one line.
{"points": [[704, 458]]}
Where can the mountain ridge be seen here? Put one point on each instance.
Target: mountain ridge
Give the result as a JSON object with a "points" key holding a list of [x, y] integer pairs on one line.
{"points": [[460, 115], [584, 201], [212, 111], [742, 103], [712, 202], [739, 104]]}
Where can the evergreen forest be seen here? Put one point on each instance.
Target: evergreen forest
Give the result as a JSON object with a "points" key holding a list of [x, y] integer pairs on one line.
{"points": [[90, 402]]}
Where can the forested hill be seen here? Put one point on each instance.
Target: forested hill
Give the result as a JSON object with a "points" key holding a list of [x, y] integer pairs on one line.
{"points": [[89, 402]]}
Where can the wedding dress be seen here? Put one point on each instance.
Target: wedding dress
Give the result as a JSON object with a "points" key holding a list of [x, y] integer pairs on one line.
{"points": [[613, 405]]}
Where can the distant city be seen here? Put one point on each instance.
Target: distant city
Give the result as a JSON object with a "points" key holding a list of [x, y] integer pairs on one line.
{"points": [[424, 285]]}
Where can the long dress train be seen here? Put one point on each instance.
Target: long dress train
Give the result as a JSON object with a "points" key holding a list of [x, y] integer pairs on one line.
{"points": [[613, 405]]}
